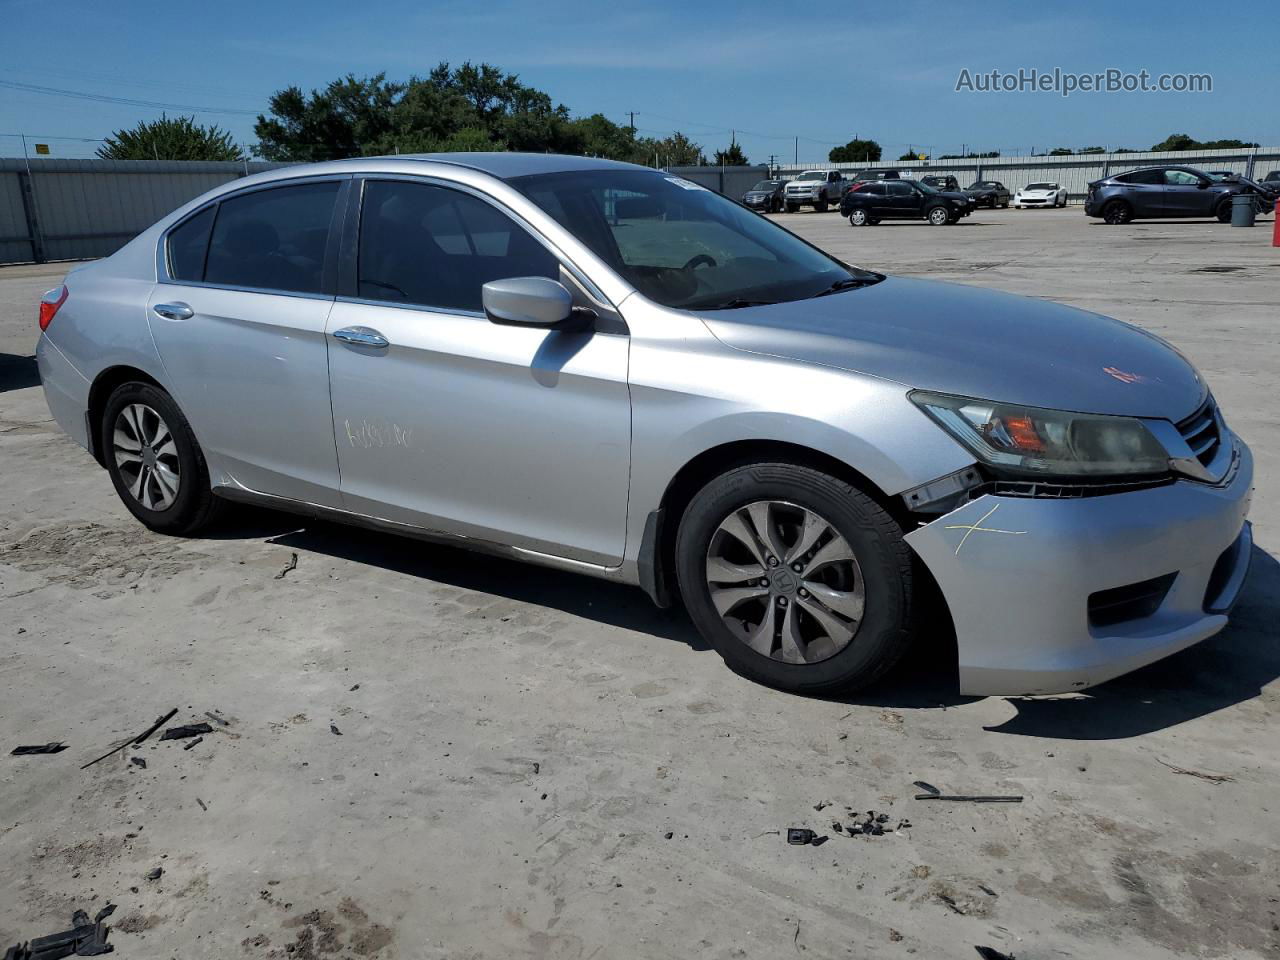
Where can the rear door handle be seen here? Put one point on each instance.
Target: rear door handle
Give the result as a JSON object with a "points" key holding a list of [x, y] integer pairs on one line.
{"points": [[361, 336], [174, 311]]}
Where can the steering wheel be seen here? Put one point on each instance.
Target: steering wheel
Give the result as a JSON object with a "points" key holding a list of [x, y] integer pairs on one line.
{"points": [[700, 260]]}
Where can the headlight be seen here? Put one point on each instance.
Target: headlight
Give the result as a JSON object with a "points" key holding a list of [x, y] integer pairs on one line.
{"points": [[1030, 441]]}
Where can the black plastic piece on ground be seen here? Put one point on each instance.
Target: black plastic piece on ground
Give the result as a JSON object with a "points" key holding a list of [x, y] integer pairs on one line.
{"points": [[188, 730], [37, 749]]}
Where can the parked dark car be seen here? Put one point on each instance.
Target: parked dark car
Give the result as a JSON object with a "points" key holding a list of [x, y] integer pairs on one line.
{"points": [[871, 201], [944, 183], [1272, 179], [1153, 192], [878, 173], [988, 193], [766, 196]]}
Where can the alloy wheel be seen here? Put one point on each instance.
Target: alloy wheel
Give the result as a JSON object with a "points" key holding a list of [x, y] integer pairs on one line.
{"points": [[857, 218], [146, 456], [785, 582]]}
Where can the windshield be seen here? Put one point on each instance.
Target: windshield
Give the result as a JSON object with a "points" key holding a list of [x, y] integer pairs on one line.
{"points": [[765, 185], [1042, 186], [682, 245], [981, 185], [812, 175], [927, 187]]}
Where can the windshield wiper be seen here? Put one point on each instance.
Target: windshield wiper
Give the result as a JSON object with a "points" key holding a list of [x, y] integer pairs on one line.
{"points": [[737, 302], [847, 283]]}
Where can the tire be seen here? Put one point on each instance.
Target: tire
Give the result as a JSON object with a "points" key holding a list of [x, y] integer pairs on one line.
{"points": [[821, 205], [793, 207], [1117, 212], [938, 216], [168, 472], [1223, 213], [1004, 204], [852, 524], [858, 217]]}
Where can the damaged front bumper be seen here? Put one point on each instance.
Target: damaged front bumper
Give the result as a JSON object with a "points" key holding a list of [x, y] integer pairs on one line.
{"points": [[1055, 595]]}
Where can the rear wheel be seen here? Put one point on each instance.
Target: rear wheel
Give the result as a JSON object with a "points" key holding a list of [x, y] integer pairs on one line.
{"points": [[1223, 212], [1117, 212], [1004, 204], [792, 207], [798, 579], [858, 218], [154, 461], [821, 205], [938, 216]]}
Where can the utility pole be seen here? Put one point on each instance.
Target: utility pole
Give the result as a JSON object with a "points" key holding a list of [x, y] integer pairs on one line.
{"points": [[797, 151], [632, 114]]}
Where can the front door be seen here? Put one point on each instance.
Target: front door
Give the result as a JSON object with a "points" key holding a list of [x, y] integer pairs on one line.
{"points": [[1185, 195], [513, 435], [239, 324]]}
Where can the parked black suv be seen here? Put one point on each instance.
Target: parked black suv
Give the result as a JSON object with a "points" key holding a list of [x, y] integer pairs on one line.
{"points": [[878, 173], [874, 200], [1162, 192], [942, 182], [988, 193], [766, 196]]}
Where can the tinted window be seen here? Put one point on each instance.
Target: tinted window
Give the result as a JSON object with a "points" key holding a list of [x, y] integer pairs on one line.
{"points": [[874, 189], [1143, 176], [273, 239], [437, 247], [188, 244], [899, 189]]}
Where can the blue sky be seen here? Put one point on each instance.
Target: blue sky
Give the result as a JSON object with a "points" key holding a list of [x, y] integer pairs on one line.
{"points": [[703, 68]]}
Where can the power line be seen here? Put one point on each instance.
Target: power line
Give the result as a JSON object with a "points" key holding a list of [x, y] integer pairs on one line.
{"points": [[126, 101]]}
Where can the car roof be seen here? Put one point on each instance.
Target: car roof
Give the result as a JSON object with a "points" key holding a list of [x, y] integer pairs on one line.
{"points": [[505, 165]]}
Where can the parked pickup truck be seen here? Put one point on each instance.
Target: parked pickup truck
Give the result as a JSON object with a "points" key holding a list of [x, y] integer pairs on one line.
{"points": [[819, 189]]}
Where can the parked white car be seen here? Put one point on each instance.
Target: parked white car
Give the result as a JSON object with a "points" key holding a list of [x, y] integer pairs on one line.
{"points": [[1040, 195]]}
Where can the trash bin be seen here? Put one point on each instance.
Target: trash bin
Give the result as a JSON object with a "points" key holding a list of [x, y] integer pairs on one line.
{"points": [[1242, 210]]}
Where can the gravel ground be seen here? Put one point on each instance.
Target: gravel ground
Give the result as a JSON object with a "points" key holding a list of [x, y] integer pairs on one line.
{"points": [[429, 754]]}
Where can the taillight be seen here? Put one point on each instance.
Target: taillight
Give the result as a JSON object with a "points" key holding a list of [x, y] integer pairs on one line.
{"points": [[50, 304]]}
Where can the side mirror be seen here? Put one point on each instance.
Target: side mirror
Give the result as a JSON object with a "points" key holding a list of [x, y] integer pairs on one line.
{"points": [[528, 302], [1202, 184]]}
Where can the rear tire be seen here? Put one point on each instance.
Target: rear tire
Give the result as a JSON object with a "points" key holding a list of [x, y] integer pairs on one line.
{"points": [[838, 622], [858, 218], [1117, 212], [154, 461], [1223, 212]]}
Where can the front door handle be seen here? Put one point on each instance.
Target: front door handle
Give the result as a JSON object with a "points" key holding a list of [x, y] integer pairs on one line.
{"points": [[361, 336], [174, 311]]}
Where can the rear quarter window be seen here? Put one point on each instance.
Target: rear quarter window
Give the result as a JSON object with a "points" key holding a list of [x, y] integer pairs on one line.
{"points": [[188, 245]]}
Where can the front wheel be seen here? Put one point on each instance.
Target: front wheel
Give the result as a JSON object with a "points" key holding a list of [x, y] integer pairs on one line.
{"points": [[858, 218], [793, 207], [799, 580], [938, 216], [821, 205], [1004, 204], [154, 461], [1224, 211]]}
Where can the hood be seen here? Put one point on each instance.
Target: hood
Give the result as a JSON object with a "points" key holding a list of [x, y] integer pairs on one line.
{"points": [[964, 340], [979, 190], [956, 195], [1042, 192]]}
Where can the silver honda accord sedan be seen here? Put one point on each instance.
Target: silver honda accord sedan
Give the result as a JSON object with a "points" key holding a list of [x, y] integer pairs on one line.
{"points": [[612, 370]]}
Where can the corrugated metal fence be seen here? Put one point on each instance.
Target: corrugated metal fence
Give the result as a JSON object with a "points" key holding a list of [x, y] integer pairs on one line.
{"points": [[77, 209]]}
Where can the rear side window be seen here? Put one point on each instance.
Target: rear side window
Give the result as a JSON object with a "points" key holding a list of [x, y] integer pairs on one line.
{"points": [[899, 189], [1143, 176], [188, 244], [273, 239], [436, 247]]}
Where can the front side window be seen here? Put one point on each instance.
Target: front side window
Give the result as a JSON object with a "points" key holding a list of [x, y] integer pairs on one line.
{"points": [[188, 244], [273, 239], [1180, 178], [682, 245], [437, 247]]}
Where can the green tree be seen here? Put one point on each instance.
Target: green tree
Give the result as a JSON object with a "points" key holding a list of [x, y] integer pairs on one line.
{"points": [[180, 138], [732, 157], [910, 155], [1184, 141], [1060, 152], [856, 151], [1092, 150], [471, 107], [676, 150]]}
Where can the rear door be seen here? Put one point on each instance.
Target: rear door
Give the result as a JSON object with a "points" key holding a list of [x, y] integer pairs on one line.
{"points": [[512, 435], [1144, 190], [238, 317]]}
